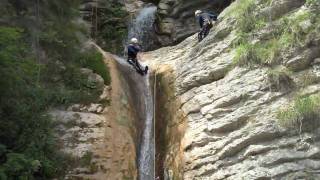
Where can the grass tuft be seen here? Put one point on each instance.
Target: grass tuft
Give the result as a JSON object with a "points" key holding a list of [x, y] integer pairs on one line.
{"points": [[302, 115]]}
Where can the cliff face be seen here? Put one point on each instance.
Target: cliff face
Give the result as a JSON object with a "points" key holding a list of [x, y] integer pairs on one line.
{"points": [[176, 21], [102, 138], [242, 104]]}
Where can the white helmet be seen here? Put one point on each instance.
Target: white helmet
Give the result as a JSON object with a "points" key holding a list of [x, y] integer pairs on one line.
{"points": [[134, 40], [197, 13]]}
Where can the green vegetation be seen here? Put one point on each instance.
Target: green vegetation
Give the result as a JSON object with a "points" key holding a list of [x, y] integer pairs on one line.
{"points": [[40, 67], [112, 26], [289, 32], [247, 20], [313, 3], [94, 60], [281, 37], [248, 54], [86, 159], [303, 114], [25, 130]]}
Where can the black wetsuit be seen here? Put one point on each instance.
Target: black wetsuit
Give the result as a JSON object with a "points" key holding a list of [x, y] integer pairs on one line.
{"points": [[133, 51], [205, 22]]}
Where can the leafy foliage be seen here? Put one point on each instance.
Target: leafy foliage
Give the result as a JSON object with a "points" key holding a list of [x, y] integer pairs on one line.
{"points": [[112, 28], [40, 61], [25, 130]]}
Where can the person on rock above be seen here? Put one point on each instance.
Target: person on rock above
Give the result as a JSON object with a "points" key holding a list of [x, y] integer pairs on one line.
{"points": [[133, 50], [205, 22]]}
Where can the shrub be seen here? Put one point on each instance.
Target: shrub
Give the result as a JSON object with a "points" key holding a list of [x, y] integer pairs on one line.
{"points": [[303, 114], [112, 26], [93, 59]]}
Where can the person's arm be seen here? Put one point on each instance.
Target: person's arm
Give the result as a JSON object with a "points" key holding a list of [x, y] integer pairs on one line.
{"points": [[137, 48], [213, 16]]}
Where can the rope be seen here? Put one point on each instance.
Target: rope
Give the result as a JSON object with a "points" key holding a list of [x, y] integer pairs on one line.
{"points": [[96, 25], [154, 116], [92, 25], [37, 43]]}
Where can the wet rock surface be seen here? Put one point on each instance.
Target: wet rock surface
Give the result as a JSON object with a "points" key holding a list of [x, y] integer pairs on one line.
{"points": [[232, 131]]}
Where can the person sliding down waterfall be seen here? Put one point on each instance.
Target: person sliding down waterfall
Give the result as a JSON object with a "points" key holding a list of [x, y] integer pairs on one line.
{"points": [[133, 50], [205, 22]]}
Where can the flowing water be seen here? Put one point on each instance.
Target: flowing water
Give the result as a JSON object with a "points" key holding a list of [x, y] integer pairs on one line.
{"points": [[141, 27], [142, 98], [141, 93], [139, 89]]}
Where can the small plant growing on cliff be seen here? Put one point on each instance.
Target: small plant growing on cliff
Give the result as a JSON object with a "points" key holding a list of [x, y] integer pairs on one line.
{"points": [[279, 79], [246, 55], [312, 3], [303, 114], [244, 13], [265, 53], [86, 159]]}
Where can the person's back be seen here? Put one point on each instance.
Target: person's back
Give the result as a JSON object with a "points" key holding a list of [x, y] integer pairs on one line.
{"points": [[133, 50], [205, 22], [206, 17]]}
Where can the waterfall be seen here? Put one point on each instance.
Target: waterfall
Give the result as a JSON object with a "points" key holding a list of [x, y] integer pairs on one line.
{"points": [[140, 90], [146, 153], [141, 27], [141, 93]]}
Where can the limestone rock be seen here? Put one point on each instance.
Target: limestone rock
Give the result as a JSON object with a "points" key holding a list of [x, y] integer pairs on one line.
{"points": [[132, 6], [176, 21], [303, 60], [229, 114], [79, 130], [92, 108], [94, 81]]}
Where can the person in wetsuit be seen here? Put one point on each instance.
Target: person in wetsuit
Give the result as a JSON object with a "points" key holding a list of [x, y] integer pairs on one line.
{"points": [[133, 50], [205, 22]]}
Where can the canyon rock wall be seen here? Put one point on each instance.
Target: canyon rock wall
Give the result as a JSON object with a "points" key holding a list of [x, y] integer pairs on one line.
{"points": [[224, 105], [175, 19], [101, 138]]}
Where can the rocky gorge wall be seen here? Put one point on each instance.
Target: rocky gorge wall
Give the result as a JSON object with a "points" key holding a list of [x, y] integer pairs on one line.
{"points": [[101, 138], [223, 104], [175, 19]]}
